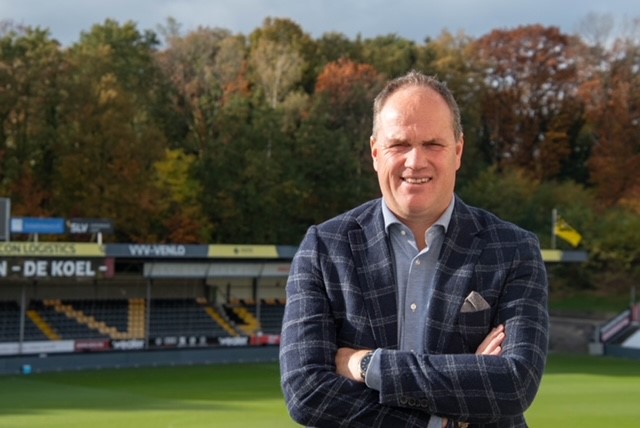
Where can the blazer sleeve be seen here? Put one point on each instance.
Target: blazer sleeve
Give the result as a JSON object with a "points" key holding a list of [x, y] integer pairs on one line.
{"points": [[483, 389], [315, 395]]}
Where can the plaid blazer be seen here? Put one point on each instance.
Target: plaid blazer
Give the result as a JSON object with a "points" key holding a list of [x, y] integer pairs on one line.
{"points": [[341, 292]]}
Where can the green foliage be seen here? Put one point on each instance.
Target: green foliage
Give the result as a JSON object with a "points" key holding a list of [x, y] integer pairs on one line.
{"points": [[615, 243], [391, 55], [510, 195]]}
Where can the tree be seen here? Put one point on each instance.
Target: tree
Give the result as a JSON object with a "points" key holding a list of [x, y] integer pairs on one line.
{"points": [[30, 65], [202, 67], [530, 110], [278, 69], [391, 55], [345, 91], [448, 58], [110, 137], [277, 59], [613, 99], [179, 199]]}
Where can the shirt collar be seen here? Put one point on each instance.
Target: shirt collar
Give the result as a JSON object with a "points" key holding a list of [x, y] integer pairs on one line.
{"points": [[390, 218]]}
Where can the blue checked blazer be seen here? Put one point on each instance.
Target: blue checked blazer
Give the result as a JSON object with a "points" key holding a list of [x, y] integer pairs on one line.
{"points": [[341, 292]]}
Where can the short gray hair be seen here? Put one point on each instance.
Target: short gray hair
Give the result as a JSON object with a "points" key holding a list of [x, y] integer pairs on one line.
{"points": [[416, 78]]}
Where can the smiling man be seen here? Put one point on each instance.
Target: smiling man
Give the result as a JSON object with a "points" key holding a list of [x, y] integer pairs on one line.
{"points": [[415, 309]]}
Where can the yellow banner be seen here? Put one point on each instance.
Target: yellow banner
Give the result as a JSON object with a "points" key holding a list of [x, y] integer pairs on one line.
{"points": [[244, 251], [566, 232], [50, 249]]}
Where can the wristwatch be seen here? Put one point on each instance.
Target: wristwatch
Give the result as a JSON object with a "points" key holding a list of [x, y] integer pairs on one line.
{"points": [[364, 364]]}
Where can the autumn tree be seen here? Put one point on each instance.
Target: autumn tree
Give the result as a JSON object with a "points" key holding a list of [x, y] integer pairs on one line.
{"points": [[348, 89], [612, 96], [110, 137], [179, 196], [30, 66], [202, 66], [530, 111], [333, 46]]}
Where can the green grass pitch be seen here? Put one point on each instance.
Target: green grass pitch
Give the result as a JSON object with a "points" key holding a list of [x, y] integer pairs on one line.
{"points": [[576, 391]]}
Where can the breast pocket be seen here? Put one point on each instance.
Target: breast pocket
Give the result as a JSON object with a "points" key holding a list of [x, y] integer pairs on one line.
{"points": [[474, 327]]}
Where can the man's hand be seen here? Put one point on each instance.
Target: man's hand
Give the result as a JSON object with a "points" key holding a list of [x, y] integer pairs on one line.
{"points": [[348, 362], [492, 344]]}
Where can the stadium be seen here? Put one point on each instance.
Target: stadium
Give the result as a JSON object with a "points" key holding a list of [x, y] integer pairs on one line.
{"points": [[174, 319], [84, 298], [94, 305]]}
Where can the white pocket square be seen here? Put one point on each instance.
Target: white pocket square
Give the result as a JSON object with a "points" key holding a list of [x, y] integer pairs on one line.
{"points": [[474, 302]]}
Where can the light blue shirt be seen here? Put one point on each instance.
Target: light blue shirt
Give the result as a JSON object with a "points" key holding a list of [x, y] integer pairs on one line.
{"points": [[415, 273]]}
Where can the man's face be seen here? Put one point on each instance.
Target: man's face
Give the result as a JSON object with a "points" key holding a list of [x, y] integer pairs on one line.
{"points": [[416, 155]]}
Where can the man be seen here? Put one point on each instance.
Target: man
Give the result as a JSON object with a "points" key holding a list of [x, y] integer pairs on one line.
{"points": [[387, 303]]}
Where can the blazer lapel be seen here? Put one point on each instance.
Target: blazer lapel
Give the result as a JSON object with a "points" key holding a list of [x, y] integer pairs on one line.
{"points": [[374, 268], [454, 274]]}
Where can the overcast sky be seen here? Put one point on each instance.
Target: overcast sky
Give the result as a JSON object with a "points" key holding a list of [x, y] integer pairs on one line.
{"points": [[412, 19]]}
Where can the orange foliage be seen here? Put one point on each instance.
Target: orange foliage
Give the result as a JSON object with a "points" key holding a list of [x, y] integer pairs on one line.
{"points": [[339, 79]]}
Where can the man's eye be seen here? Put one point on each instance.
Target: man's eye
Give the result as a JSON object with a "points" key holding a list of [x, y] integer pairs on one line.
{"points": [[398, 146], [434, 146]]}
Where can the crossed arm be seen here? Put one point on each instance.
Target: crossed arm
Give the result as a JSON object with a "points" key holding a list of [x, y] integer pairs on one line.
{"points": [[348, 359]]}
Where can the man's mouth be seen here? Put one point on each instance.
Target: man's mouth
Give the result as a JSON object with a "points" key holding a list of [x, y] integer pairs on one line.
{"points": [[412, 180]]}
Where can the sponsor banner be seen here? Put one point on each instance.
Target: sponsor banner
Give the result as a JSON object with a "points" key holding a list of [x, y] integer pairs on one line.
{"points": [[156, 250], [89, 225], [92, 345], [244, 251], [37, 347], [50, 249], [127, 345], [56, 268], [9, 348], [233, 341], [265, 339], [31, 225], [179, 341]]}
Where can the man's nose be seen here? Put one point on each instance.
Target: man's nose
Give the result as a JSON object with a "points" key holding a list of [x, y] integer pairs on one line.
{"points": [[416, 157]]}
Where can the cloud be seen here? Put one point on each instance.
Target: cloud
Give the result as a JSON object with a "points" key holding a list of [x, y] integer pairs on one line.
{"points": [[412, 19]]}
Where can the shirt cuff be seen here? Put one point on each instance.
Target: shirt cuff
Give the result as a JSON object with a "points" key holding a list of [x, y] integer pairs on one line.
{"points": [[373, 378], [435, 422]]}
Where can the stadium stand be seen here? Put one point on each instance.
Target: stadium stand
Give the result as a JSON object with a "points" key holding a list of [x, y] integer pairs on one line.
{"points": [[10, 324], [56, 319], [182, 317]]}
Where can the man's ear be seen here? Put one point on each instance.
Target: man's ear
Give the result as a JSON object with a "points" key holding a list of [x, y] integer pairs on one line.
{"points": [[374, 152], [459, 150]]}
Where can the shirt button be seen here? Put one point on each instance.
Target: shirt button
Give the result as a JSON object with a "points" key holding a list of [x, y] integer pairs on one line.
{"points": [[403, 233], [418, 262], [413, 307]]}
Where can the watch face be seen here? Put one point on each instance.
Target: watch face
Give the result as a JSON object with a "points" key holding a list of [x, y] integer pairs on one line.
{"points": [[364, 364]]}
